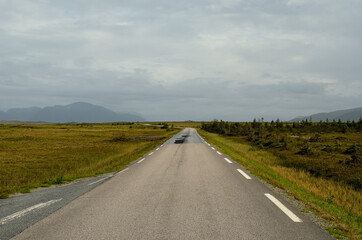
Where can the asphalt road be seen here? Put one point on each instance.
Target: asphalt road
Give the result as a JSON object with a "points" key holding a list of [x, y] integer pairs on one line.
{"points": [[13, 218], [178, 191]]}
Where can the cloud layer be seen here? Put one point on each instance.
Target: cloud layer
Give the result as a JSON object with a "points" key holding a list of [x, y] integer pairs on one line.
{"points": [[232, 60]]}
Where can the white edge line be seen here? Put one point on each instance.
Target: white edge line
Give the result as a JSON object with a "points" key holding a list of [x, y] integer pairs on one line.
{"points": [[141, 160], [212, 148], [99, 180], [218, 152], [157, 149], [244, 174], [280, 205], [150, 154], [228, 160], [123, 170], [26, 211]]}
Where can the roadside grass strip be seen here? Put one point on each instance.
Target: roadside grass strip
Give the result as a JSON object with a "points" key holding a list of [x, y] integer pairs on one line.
{"points": [[284, 209], [26, 211], [244, 174]]}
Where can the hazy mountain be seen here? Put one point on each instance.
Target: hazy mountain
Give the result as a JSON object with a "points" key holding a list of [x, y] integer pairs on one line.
{"points": [[26, 114], [345, 115], [76, 112]]}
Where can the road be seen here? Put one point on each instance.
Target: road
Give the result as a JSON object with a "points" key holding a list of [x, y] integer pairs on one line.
{"points": [[187, 190], [13, 218]]}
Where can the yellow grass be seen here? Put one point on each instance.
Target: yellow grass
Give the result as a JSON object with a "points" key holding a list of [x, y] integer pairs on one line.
{"points": [[35, 155], [343, 195]]}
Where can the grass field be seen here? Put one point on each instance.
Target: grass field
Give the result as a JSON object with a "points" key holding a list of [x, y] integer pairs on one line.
{"points": [[336, 201], [41, 155]]}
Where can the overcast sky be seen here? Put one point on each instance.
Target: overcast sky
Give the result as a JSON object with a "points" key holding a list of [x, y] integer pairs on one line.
{"points": [[180, 60]]}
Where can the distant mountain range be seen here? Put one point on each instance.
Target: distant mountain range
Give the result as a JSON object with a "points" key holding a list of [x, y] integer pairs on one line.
{"points": [[76, 112], [345, 115]]}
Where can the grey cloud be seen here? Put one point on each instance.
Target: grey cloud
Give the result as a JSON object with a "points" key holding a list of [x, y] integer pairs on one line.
{"points": [[170, 60]]}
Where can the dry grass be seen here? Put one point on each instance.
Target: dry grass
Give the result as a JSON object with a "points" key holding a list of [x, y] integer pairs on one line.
{"points": [[340, 194], [336, 201], [38, 155]]}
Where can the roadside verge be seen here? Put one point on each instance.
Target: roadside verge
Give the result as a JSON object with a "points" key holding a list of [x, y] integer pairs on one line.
{"points": [[315, 193]]}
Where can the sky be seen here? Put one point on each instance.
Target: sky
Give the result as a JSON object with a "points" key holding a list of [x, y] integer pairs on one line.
{"points": [[183, 60]]}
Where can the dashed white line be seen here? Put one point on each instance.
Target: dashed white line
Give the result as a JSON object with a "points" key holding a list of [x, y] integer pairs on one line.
{"points": [[218, 152], [157, 149], [228, 160], [150, 154], [99, 180], [212, 148], [208, 144], [280, 205], [26, 211], [244, 174], [141, 160]]}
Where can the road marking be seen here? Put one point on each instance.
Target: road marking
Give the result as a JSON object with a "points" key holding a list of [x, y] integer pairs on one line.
{"points": [[141, 160], [218, 152], [212, 148], [157, 149], [150, 154], [26, 211], [280, 205], [99, 180], [208, 144], [228, 160], [123, 170], [244, 174]]}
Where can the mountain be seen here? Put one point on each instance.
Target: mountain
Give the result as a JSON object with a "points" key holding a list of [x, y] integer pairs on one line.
{"points": [[26, 114], [345, 115], [75, 112]]}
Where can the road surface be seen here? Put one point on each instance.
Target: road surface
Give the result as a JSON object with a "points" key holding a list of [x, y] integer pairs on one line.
{"points": [[187, 190]]}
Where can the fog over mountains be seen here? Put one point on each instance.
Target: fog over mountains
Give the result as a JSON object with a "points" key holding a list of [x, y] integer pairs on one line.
{"points": [[75, 112], [345, 115]]}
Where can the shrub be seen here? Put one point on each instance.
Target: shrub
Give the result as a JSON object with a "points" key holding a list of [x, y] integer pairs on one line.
{"points": [[352, 149], [306, 150], [328, 149], [315, 138]]}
